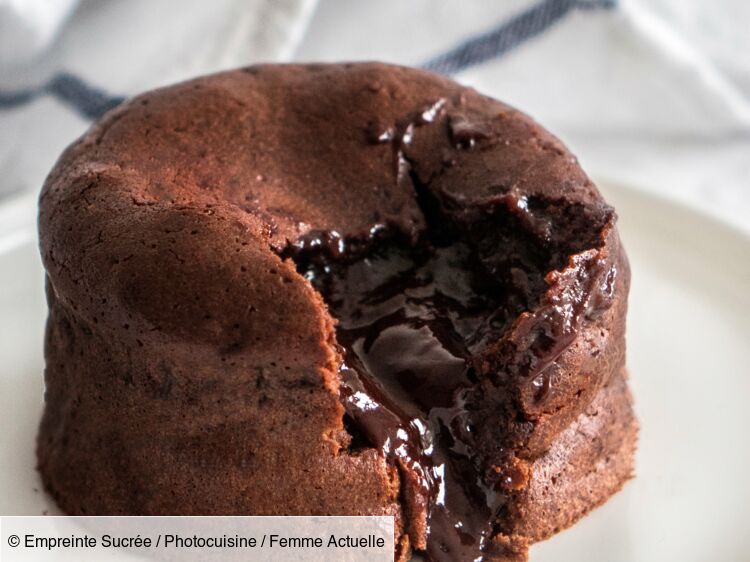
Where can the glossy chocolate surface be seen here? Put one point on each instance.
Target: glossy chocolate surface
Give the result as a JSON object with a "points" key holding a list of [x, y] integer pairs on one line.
{"points": [[407, 320]]}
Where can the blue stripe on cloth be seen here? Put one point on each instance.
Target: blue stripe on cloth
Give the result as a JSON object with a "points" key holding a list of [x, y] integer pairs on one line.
{"points": [[510, 34], [92, 102], [89, 101]]}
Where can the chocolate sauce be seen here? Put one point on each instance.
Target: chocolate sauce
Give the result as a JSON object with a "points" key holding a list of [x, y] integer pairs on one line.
{"points": [[406, 321]]}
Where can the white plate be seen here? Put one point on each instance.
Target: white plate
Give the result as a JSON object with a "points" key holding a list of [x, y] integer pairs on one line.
{"points": [[688, 354]]}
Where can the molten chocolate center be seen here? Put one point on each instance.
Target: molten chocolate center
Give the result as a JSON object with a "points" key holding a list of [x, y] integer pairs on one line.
{"points": [[408, 321]]}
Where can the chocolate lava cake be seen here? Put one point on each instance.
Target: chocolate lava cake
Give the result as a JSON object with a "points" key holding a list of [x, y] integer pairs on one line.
{"points": [[334, 289]]}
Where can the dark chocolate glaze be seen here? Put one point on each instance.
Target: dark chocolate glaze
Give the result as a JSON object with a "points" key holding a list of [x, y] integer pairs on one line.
{"points": [[406, 320]]}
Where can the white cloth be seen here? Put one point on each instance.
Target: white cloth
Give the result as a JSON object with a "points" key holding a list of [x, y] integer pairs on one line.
{"points": [[27, 27], [655, 93]]}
